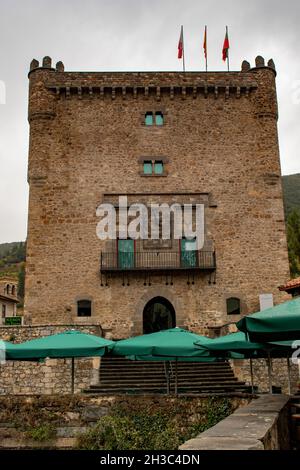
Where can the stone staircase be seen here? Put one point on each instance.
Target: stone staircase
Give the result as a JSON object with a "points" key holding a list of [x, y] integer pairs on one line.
{"points": [[122, 376]]}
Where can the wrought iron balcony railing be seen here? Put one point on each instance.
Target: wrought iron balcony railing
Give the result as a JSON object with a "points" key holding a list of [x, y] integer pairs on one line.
{"points": [[157, 260]]}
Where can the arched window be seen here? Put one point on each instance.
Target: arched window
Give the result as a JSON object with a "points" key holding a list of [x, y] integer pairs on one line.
{"points": [[13, 290], [84, 308], [233, 306], [8, 289]]}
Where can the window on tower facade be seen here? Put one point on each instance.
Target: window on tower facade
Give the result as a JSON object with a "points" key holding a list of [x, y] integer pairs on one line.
{"points": [[233, 305], [154, 118], [147, 167], [153, 167], [159, 118], [149, 118], [84, 308]]}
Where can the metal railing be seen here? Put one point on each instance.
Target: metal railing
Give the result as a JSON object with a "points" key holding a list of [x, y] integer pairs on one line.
{"points": [[157, 260]]}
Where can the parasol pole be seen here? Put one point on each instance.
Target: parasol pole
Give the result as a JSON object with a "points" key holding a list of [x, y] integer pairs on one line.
{"points": [[167, 374], [73, 375], [176, 377], [270, 372], [251, 372], [289, 374]]}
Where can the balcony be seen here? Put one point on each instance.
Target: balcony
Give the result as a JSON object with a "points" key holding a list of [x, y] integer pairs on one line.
{"points": [[158, 261]]}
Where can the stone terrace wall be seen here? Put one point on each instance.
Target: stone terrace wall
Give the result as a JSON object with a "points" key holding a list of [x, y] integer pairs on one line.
{"points": [[260, 374], [262, 425], [71, 415], [52, 376]]}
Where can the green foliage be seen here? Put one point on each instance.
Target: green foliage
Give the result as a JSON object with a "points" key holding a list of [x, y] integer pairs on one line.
{"points": [[13, 252], [293, 236], [42, 433], [152, 429], [291, 196], [21, 282], [291, 192], [11, 256]]}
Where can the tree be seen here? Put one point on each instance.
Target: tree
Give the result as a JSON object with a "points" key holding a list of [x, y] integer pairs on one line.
{"points": [[21, 283], [293, 236]]}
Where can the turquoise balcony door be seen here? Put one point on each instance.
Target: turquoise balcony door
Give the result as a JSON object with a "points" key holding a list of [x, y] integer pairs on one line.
{"points": [[125, 254], [188, 253]]}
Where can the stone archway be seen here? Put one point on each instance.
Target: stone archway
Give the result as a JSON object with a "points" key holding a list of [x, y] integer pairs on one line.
{"points": [[152, 292], [159, 314]]}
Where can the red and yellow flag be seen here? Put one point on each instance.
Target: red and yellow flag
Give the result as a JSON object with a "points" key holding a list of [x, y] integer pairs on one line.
{"points": [[180, 44], [225, 46]]}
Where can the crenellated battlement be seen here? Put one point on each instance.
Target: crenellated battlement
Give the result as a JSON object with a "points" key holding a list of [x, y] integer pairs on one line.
{"points": [[46, 64], [259, 64], [145, 84], [59, 67]]}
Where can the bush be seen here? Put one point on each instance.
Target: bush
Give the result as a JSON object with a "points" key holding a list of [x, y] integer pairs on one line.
{"points": [[42, 433], [134, 429]]}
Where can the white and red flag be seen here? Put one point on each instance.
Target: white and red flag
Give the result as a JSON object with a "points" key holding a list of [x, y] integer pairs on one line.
{"points": [[180, 44]]}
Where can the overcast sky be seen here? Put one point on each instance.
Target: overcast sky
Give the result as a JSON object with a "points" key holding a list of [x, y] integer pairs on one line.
{"points": [[100, 35]]}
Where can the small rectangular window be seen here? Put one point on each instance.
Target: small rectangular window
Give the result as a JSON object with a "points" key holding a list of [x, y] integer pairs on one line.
{"points": [[159, 118], [233, 305], [149, 119], [158, 167], [84, 308], [148, 167]]}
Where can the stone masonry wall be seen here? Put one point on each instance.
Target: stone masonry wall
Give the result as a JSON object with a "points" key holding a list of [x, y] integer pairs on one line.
{"points": [[260, 374], [261, 425], [87, 136], [72, 415], [51, 376]]}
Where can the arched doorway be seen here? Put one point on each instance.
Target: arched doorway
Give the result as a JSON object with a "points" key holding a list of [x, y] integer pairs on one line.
{"points": [[159, 314]]}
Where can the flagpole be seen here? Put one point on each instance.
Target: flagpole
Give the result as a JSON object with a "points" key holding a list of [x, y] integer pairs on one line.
{"points": [[205, 48], [183, 61], [227, 50]]}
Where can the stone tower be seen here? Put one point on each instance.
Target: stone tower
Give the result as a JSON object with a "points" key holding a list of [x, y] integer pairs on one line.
{"points": [[193, 137]]}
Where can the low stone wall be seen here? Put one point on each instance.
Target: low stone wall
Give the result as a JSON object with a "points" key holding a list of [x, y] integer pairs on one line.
{"points": [[261, 425], [260, 373], [51, 376], [71, 415]]}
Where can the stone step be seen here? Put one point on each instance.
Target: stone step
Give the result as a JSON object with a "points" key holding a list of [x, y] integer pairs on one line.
{"points": [[111, 367], [181, 373], [147, 373], [116, 359], [129, 380], [184, 384], [120, 375], [115, 362], [239, 386]]}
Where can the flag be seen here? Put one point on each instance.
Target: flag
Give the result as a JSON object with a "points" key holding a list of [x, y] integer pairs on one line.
{"points": [[180, 44], [205, 42], [225, 46]]}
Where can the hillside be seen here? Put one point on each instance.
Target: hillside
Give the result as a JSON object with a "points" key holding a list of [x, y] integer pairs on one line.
{"points": [[12, 255], [291, 192]]}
